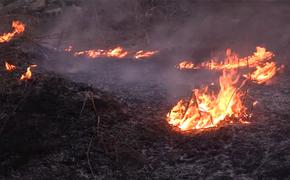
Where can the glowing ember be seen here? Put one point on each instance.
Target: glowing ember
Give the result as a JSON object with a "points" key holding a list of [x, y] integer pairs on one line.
{"points": [[18, 28], [205, 109], [144, 54], [9, 67], [28, 74], [186, 65]]}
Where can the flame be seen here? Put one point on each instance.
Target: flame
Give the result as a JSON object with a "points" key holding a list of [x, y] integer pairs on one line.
{"points": [[205, 109], [9, 67], [261, 60], [186, 65], [144, 54], [263, 73], [28, 74], [18, 28], [117, 52], [232, 60]]}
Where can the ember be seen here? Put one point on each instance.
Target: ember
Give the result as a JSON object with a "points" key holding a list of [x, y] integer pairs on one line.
{"points": [[206, 109], [28, 74], [18, 28], [9, 67]]}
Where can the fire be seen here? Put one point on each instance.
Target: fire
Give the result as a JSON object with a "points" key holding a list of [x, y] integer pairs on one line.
{"points": [[261, 60], [18, 28], [205, 109], [263, 73], [28, 74], [68, 49], [9, 67], [233, 61], [186, 65], [117, 52], [144, 54]]}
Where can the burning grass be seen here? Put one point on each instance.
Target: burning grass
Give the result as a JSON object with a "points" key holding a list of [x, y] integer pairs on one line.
{"points": [[18, 29], [117, 52], [28, 74], [206, 108], [9, 67]]}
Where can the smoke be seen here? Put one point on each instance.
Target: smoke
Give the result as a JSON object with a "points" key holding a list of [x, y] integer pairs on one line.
{"points": [[195, 30]]}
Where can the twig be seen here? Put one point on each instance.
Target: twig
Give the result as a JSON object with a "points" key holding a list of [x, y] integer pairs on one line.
{"points": [[91, 96], [88, 156], [84, 104], [236, 90]]}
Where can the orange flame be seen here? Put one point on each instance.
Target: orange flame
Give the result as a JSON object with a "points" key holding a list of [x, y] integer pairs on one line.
{"points": [[9, 67], [18, 28], [185, 65], [28, 74], [263, 73], [261, 60], [232, 61], [205, 109], [144, 54], [117, 52]]}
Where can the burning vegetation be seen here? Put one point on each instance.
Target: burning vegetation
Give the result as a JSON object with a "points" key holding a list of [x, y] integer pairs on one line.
{"points": [[100, 109], [28, 74], [9, 67], [185, 65], [18, 29], [117, 52], [206, 109]]}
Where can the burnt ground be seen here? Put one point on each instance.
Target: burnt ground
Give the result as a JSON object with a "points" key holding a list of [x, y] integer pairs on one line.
{"points": [[46, 134], [256, 150]]}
